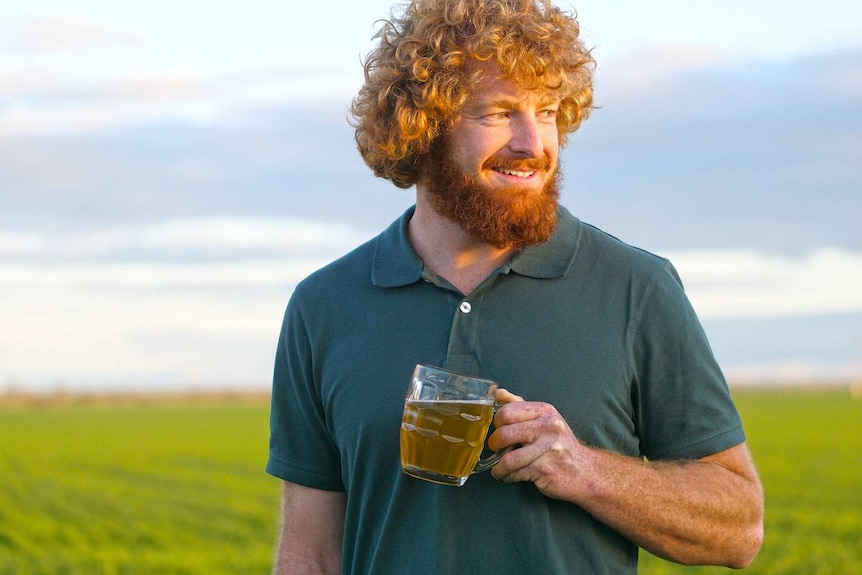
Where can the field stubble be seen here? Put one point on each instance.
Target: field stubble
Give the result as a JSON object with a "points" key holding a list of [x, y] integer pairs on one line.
{"points": [[807, 444], [177, 487], [132, 489]]}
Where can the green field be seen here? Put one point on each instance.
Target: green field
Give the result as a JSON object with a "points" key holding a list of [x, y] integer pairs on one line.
{"points": [[136, 489], [179, 487], [808, 448]]}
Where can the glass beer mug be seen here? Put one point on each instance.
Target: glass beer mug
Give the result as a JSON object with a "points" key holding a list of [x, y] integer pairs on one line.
{"points": [[445, 423]]}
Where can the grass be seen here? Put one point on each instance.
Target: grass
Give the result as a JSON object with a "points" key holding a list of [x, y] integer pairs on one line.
{"points": [[179, 488], [808, 447], [175, 489]]}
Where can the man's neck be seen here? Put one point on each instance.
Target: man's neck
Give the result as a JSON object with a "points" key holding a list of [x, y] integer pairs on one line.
{"points": [[449, 251]]}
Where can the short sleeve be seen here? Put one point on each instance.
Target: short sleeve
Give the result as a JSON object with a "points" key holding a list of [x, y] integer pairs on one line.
{"points": [[301, 449], [683, 404]]}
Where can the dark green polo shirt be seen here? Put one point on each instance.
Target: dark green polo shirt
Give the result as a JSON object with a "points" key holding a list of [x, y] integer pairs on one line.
{"points": [[601, 330]]}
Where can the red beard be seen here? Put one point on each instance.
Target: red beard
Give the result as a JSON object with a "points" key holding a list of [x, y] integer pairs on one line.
{"points": [[506, 217]]}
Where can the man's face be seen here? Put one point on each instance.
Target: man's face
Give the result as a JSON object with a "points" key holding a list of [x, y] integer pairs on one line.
{"points": [[497, 172]]}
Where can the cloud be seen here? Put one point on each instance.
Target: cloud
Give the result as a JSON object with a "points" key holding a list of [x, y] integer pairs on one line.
{"points": [[238, 252], [293, 163], [655, 72], [720, 285], [58, 34], [761, 284], [16, 244], [249, 233], [191, 302], [224, 237], [798, 348], [148, 276], [92, 323], [770, 145], [152, 228], [792, 372], [52, 103], [82, 337], [733, 154], [22, 119]]}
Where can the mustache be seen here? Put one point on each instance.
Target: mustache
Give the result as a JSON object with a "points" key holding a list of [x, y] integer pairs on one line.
{"points": [[518, 164]]}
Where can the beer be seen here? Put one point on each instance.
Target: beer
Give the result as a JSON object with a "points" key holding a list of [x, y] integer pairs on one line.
{"points": [[444, 437]]}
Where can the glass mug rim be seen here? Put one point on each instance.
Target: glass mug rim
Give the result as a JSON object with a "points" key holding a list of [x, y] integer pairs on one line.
{"points": [[473, 393]]}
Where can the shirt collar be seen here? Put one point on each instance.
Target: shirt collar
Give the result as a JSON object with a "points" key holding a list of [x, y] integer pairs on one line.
{"points": [[396, 264]]}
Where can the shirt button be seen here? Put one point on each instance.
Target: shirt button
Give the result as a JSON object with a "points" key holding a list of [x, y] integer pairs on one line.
{"points": [[465, 307]]}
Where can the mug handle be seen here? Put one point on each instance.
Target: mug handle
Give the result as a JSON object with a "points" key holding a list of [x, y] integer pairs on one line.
{"points": [[491, 460]]}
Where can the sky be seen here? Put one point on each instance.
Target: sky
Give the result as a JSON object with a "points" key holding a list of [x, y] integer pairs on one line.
{"points": [[169, 171]]}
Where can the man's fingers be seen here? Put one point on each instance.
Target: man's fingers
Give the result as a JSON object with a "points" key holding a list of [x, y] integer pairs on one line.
{"points": [[506, 396]]}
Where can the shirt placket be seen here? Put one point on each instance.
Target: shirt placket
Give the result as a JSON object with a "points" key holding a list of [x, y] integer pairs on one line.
{"points": [[462, 354]]}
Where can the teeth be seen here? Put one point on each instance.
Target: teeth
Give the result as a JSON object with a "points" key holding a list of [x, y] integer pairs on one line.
{"points": [[516, 173]]}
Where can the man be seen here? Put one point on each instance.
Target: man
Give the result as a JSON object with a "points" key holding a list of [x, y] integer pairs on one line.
{"points": [[624, 432]]}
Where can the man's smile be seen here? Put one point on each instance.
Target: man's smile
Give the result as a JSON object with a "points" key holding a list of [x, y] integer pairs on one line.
{"points": [[516, 173]]}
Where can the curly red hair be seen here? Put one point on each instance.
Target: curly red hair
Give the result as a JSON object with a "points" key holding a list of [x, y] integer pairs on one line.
{"points": [[419, 75]]}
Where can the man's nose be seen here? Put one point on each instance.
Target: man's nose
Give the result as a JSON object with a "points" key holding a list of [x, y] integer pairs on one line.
{"points": [[526, 137]]}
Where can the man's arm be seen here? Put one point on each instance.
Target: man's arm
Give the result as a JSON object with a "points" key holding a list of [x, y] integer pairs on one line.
{"points": [[312, 531], [705, 511]]}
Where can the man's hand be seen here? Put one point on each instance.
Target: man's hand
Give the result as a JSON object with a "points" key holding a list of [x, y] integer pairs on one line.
{"points": [[549, 452], [703, 511]]}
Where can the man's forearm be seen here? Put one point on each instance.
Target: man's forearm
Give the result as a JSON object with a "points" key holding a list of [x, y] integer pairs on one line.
{"points": [[708, 511], [312, 531]]}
